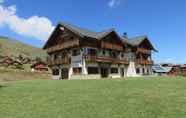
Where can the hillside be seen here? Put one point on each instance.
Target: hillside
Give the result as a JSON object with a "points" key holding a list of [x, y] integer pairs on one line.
{"points": [[12, 47]]}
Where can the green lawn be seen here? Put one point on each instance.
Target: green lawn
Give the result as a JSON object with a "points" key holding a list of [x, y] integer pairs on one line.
{"points": [[131, 98]]}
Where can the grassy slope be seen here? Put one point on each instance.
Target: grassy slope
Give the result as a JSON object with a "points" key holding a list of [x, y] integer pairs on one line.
{"points": [[137, 98], [7, 75], [14, 47]]}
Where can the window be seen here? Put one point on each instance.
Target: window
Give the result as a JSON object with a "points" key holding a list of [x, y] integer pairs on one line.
{"points": [[122, 55], [55, 56], [71, 37], [77, 71], [75, 52], [103, 52], [137, 70], [92, 51], [148, 71], [55, 71], [63, 55], [114, 55], [114, 70], [143, 70], [93, 70]]}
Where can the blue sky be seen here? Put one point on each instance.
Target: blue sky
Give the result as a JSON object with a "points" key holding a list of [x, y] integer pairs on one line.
{"points": [[164, 21]]}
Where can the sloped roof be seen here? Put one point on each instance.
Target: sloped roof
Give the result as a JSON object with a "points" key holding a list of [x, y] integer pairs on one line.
{"points": [[160, 69], [136, 41], [85, 32], [82, 32]]}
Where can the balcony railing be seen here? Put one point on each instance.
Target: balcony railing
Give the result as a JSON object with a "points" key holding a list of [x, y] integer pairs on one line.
{"points": [[143, 50], [107, 45], [144, 62], [63, 46], [90, 58], [58, 61]]}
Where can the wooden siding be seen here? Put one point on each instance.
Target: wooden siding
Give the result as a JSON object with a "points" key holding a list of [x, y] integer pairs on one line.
{"points": [[143, 50], [144, 62], [107, 45], [65, 60], [64, 45], [90, 58]]}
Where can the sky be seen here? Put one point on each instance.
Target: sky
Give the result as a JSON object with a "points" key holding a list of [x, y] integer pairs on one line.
{"points": [[163, 21]]}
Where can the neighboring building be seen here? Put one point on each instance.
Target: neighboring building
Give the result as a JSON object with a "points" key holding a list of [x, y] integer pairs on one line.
{"points": [[163, 71], [169, 69], [179, 69], [75, 52], [39, 66]]}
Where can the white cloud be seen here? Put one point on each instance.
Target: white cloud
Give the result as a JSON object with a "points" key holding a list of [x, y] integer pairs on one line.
{"points": [[113, 3], [34, 26]]}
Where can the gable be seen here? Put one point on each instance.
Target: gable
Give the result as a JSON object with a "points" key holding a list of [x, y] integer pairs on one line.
{"points": [[112, 37], [60, 35], [112, 41], [143, 42], [146, 44]]}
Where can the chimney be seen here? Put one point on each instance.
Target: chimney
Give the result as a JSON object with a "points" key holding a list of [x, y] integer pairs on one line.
{"points": [[125, 35]]}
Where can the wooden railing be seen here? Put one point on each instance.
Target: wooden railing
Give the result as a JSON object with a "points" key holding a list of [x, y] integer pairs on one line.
{"points": [[58, 61], [107, 45], [63, 46], [143, 50], [144, 62], [90, 58]]}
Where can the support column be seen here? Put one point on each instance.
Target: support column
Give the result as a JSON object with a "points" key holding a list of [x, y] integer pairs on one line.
{"points": [[84, 68], [141, 70], [99, 71], [131, 71], [109, 71], [70, 72], [146, 70], [119, 71]]}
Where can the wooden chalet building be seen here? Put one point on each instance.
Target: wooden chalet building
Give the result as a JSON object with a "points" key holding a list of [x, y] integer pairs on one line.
{"points": [[75, 52]]}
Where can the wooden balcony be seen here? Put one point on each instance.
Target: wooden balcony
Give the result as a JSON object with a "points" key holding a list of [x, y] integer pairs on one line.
{"points": [[64, 45], [58, 61], [111, 46], [144, 62], [90, 58], [143, 50]]}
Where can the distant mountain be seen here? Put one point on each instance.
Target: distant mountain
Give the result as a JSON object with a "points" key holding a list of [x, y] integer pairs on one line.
{"points": [[12, 47]]}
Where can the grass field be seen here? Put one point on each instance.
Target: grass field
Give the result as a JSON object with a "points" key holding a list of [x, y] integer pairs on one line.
{"points": [[130, 98]]}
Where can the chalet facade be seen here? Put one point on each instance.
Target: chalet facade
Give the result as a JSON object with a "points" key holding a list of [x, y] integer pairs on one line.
{"points": [[75, 52]]}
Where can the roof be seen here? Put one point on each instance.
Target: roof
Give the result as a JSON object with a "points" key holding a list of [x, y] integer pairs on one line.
{"points": [[160, 69], [82, 32], [38, 63], [85, 32], [136, 41]]}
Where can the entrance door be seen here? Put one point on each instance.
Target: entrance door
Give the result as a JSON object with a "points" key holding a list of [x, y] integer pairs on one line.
{"points": [[104, 72], [64, 73], [122, 72]]}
